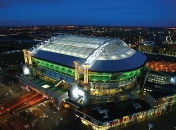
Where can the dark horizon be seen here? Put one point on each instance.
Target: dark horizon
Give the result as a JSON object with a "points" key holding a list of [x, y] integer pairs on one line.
{"points": [[164, 27]]}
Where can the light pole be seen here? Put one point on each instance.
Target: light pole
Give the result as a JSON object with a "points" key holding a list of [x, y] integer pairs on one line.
{"points": [[150, 125]]}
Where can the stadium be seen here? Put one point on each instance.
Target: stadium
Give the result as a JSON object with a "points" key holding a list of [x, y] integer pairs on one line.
{"points": [[84, 69]]}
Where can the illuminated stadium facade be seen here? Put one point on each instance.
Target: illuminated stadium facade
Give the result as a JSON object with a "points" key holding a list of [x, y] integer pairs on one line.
{"points": [[92, 69]]}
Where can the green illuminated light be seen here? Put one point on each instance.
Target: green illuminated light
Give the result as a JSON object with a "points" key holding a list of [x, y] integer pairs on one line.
{"points": [[55, 67], [93, 76]]}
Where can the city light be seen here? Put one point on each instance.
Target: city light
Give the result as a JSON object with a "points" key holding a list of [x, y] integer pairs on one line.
{"points": [[77, 92], [26, 70], [115, 74]]}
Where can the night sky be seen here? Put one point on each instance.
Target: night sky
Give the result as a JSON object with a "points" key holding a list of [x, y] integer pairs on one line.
{"points": [[141, 13]]}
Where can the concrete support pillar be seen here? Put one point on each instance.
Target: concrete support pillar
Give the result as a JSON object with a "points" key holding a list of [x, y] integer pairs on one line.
{"points": [[27, 57], [76, 70]]}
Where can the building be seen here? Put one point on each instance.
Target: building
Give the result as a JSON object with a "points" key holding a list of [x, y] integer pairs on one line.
{"points": [[148, 47], [115, 115], [163, 49], [91, 69], [164, 99], [150, 86], [157, 77], [13, 44], [161, 72], [162, 66], [49, 91], [171, 76]]}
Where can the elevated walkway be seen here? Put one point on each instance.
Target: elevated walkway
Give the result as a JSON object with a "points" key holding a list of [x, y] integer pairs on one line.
{"points": [[129, 95], [126, 91], [71, 102]]}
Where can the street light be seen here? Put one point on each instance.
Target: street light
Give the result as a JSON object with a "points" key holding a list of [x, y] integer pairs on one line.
{"points": [[150, 125]]}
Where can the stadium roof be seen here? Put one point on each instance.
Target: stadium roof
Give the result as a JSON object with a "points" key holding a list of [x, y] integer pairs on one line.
{"points": [[64, 49]]}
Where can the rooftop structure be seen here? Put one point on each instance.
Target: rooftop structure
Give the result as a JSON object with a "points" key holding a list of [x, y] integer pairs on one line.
{"points": [[160, 98], [115, 55], [112, 111], [161, 94]]}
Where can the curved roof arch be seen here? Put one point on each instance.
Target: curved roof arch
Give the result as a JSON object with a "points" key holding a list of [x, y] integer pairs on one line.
{"points": [[64, 49]]}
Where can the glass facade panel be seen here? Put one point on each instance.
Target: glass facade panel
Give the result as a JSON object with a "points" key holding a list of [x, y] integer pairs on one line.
{"points": [[58, 76], [53, 74]]}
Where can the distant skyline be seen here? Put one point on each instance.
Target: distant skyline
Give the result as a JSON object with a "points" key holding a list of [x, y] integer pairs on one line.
{"points": [[138, 13]]}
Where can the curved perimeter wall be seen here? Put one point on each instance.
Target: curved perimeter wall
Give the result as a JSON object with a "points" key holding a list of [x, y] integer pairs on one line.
{"points": [[93, 76]]}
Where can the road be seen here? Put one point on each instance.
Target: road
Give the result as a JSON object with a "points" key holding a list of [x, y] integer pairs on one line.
{"points": [[25, 101]]}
